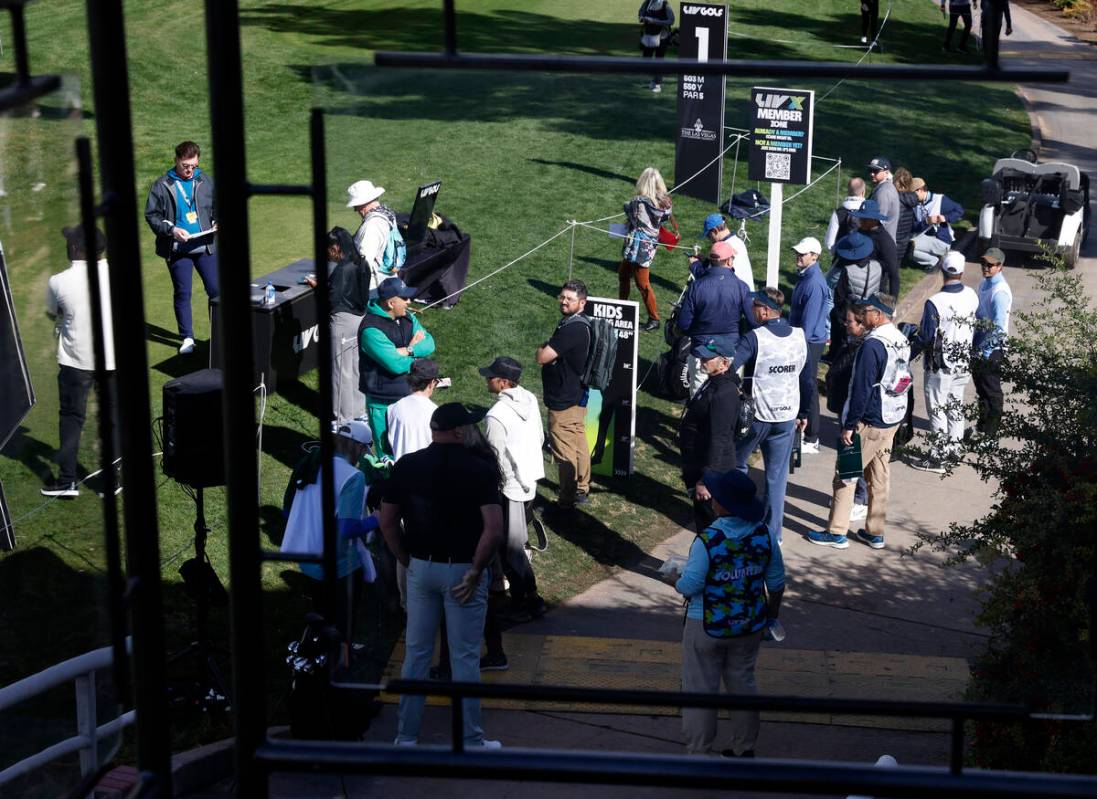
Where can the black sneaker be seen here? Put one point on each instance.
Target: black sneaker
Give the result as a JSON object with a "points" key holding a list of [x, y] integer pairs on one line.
{"points": [[730, 753], [649, 325], [491, 662], [56, 488], [440, 674], [928, 465], [582, 499]]}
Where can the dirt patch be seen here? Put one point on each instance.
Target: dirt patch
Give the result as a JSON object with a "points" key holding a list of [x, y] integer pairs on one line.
{"points": [[1082, 29]]}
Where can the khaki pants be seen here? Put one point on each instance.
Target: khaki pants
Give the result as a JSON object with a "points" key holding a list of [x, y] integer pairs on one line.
{"points": [[704, 661], [568, 439], [875, 458]]}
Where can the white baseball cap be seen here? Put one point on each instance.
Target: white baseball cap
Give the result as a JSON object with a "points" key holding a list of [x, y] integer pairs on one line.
{"points": [[356, 430], [808, 244], [953, 263], [362, 192]]}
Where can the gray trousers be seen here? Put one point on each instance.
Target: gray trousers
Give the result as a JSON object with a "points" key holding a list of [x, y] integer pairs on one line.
{"points": [[945, 409], [705, 660], [347, 401], [928, 250]]}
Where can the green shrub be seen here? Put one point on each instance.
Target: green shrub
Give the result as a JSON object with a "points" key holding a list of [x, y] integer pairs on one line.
{"points": [[1039, 538]]}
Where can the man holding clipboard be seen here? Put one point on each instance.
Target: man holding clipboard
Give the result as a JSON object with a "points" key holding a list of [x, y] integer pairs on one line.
{"points": [[877, 402], [179, 210]]}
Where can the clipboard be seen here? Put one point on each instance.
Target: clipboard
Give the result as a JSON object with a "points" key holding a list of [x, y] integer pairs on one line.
{"points": [[202, 234], [848, 464]]}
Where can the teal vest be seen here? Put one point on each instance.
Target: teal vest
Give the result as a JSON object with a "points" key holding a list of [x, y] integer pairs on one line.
{"points": [[735, 589]]}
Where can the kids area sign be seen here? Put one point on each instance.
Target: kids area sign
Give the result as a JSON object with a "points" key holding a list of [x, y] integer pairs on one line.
{"points": [[703, 37], [611, 414], [781, 127]]}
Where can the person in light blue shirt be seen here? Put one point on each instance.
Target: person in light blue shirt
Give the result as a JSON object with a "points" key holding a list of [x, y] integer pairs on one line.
{"points": [[734, 579], [809, 310], [991, 330]]}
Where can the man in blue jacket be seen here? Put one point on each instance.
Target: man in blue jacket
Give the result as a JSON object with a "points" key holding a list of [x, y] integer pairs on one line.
{"points": [[876, 404], [808, 311], [933, 227], [713, 307], [775, 356], [179, 210]]}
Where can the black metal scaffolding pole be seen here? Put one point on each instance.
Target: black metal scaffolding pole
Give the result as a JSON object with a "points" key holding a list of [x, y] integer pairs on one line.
{"points": [[106, 33], [226, 94]]}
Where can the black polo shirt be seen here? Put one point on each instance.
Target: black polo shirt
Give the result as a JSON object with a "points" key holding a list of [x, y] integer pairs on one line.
{"points": [[561, 380], [440, 490]]}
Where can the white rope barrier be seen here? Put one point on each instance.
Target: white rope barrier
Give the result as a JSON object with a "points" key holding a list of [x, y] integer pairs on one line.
{"points": [[571, 225]]}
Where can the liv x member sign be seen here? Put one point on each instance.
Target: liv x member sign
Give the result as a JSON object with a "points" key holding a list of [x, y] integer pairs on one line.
{"points": [[703, 34], [611, 414], [781, 127]]}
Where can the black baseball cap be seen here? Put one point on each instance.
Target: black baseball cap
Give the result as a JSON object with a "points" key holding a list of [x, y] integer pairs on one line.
{"points": [[503, 367], [424, 368], [880, 163], [453, 415]]}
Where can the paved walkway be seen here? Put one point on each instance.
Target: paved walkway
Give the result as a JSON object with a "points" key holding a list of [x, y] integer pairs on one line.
{"points": [[860, 622]]}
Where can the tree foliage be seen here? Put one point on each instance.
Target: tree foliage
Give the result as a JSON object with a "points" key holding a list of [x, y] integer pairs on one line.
{"points": [[1039, 537]]}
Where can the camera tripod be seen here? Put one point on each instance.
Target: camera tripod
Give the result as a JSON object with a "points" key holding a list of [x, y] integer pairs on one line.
{"points": [[207, 691]]}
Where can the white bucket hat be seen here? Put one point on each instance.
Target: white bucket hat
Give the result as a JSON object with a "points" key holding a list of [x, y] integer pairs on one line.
{"points": [[363, 192]]}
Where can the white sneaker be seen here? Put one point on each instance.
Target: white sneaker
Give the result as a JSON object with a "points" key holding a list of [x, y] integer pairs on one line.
{"points": [[858, 512], [809, 448], [187, 346], [398, 742], [491, 744]]}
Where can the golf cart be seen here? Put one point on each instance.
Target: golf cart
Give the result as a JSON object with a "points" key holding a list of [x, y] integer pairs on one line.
{"points": [[1029, 207]]}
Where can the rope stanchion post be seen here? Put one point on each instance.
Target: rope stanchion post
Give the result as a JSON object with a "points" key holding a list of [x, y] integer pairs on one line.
{"points": [[571, 248]]}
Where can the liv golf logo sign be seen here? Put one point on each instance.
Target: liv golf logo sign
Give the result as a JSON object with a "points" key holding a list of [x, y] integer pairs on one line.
{"points": [[704, 37], [781, 126]]}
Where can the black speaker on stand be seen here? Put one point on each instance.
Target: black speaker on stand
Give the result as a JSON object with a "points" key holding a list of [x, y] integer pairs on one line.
{"points": [[194, 457]]}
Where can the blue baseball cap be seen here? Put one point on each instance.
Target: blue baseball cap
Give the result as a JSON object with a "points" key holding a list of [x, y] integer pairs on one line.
{"points": [[395, 287], [854, 246], [762, 298], [875, 302], [712, 221], [712, 347]]}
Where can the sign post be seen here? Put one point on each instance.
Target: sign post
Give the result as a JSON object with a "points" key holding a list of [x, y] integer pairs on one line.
{"points": [[703, 36], [611, 414], [781, 126]]}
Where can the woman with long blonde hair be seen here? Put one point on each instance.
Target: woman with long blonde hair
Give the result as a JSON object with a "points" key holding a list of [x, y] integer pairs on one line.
{"points": [[645, 212]]}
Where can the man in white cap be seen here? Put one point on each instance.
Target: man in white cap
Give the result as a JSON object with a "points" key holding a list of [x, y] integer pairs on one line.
{"points": [[946, 333], [304, 523], [377, 234], [809, 311]]}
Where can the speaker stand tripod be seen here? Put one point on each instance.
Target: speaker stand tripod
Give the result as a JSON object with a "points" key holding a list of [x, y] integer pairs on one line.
{"points": [[208, 690]]}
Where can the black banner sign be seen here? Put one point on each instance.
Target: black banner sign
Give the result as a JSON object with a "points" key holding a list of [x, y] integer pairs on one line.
{"points": [[781, 128], [703, 36], [611, 414]]}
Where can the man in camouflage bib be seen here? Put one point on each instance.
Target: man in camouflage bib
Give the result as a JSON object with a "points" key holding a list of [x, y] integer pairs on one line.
{"points": [[733, 579]]}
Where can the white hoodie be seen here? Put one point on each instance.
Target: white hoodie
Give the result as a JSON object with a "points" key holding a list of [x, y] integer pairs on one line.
{"points": [[513, 428]]}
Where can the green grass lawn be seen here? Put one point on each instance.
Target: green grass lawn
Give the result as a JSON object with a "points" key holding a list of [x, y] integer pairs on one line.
{"points": [[519, 154]]}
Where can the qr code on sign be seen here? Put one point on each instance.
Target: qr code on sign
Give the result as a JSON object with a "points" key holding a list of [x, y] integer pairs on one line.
{"points": [[778, 166]]}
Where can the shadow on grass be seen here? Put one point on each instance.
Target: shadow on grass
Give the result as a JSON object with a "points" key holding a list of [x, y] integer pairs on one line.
{"points": [[611, 266], [587, 168], [36, 455]]}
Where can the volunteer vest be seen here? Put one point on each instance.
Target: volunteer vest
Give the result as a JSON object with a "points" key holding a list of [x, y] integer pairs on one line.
{"points": [[955, 328], [375, 381], [735, 590], [893, 407], [776, 388], [304, 527]]}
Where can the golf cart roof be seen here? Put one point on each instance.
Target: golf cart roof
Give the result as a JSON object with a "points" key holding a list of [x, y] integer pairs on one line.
{"points": [[1068, 171]]}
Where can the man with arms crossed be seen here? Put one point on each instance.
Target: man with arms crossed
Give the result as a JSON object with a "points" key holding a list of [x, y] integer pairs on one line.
{"points": [[562, 360]]}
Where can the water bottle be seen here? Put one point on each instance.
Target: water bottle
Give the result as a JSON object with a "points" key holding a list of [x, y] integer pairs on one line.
{"points": [[775, 630], [268, 296]]}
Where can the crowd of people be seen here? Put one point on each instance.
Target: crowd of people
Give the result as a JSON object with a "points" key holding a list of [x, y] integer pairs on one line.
{"points": [[444, 495]]}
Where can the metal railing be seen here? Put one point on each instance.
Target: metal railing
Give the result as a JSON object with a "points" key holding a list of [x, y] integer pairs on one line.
{"points": [[79, 670]]}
